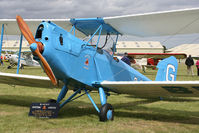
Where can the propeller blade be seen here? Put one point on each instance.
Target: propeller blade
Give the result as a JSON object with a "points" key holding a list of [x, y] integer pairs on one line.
{"points": [[30, 38], [25, 30], [47, 68]]}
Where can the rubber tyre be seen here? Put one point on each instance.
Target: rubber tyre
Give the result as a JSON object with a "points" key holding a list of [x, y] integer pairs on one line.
{"points": [[9, 67], [103, 112], [51, 101]]}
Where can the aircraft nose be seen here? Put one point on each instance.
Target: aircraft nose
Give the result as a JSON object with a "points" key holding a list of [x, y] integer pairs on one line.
{"points": [[30, 38], [36, 45]]}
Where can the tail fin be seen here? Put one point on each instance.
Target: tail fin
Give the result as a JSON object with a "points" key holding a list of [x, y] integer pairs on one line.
{"points": [[167, 69]]}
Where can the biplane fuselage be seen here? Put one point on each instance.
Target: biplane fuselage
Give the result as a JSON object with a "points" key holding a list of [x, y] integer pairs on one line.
{"points": [[71, 58]]}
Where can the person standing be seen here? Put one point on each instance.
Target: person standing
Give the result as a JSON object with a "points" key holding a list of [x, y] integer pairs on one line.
{"points": [[126, 59], [1, 60], [189, 62], [197, 66]]}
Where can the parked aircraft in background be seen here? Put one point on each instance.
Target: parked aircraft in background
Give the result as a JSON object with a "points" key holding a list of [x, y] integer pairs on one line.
{"points": [[84, 67], [6, 55], [150, 60], [26, 60], [12, 56]]}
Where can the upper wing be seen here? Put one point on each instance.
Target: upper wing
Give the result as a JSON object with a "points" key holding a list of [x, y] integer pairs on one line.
{"points": [[154, 88], [11, 26], [157, 24], [149, 24], [157, 55]]}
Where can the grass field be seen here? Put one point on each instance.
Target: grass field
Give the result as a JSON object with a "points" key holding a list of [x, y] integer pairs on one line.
{"points": [[175, 115]]}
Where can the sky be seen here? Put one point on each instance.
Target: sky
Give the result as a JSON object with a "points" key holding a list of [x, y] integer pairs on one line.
{"points": [[58, 9]]}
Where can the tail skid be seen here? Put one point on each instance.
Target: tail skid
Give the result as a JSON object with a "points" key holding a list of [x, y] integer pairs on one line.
{"points": [[167, 69]]}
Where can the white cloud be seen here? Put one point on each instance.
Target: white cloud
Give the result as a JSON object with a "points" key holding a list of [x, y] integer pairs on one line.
{"points": [[86, 8], [90, 8]]}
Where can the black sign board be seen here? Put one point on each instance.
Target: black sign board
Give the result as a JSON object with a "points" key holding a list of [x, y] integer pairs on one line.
{"points": [[44, 110]]}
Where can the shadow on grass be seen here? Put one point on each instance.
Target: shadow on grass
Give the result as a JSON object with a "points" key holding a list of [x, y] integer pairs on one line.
{"points": [[128, 109], [134, 110], [17, 100], [169, 99], [73, 109], [173, 118]]}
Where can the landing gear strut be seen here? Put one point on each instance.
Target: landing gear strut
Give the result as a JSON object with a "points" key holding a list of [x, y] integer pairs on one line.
{"points": [[106, 112]]}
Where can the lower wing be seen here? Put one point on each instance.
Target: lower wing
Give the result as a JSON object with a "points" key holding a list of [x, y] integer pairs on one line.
{"points": [[154, 88], [25, 80], [137, 88]]}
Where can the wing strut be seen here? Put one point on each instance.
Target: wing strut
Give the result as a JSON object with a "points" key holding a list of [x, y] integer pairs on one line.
{"points": [[114, 45], [18, 64], [73, 30], [2, 31], [98, 29]]}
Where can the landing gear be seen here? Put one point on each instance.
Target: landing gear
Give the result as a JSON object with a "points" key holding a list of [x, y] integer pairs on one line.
{"points": [[106, 112], [11, 66]]}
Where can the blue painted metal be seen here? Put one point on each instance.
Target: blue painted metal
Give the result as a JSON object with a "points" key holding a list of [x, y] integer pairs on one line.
{"points": [[85, 61], [2, 32], [115, 71], [77, 97], [75, 60], [33, 47], [167, 69], [62, 93], [102, 96], [90, 98], [19, 56], [89, 25], [98, 29], [109, 114], [68, 100], [73, 30]]}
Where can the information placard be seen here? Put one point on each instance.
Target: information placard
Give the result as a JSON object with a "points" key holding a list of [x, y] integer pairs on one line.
{"points": [[44, 110]]}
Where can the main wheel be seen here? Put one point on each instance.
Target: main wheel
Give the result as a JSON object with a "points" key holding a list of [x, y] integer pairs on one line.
{"points": [[51, 101], [9, 67], [106, 112]]}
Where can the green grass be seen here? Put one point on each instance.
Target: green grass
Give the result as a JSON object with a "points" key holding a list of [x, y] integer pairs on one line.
{"points": [[139, 115]]}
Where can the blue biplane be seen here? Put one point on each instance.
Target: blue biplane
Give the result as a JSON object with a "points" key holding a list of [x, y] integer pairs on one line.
{"points": [[80, 65]]}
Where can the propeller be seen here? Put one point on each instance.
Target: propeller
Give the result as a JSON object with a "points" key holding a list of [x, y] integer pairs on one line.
{"points": [[36, 47]]}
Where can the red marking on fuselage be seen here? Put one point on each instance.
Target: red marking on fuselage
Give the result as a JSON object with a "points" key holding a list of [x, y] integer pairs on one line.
{"points": [[86, 62]]}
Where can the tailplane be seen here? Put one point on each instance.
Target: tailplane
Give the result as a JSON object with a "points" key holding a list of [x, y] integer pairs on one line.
{"points": [[167, 69]]}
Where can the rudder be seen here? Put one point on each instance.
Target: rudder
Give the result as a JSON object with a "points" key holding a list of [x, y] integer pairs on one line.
{"points": [[167, 69]]}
